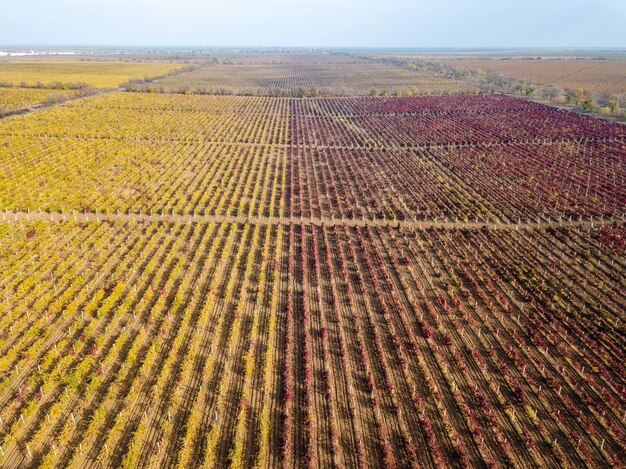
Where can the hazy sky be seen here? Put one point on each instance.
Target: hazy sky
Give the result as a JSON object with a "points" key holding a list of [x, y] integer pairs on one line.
{"points": [[391, 23]]}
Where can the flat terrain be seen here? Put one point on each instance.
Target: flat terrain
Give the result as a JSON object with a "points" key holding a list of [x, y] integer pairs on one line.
{"points": [[18, 98], [222, 154], [602, 76], [33, 83], [97, 74], [311, 75], [359, 281]]}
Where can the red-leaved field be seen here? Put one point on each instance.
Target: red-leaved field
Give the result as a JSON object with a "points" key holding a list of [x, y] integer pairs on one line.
{"points": [[245, 281]]}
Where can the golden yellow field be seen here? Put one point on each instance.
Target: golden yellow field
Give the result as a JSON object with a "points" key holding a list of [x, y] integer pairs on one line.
{"points": [[98, 74], [17, 98], [603, 76]]}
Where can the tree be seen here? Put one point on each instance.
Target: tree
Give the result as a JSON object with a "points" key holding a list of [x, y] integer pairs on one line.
{"points": [[552, 92], [587, 103], [528, 89], [56, 98], [571, 97], [612, 103]]}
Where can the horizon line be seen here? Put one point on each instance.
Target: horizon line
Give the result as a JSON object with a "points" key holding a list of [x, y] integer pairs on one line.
{"points": [[318, 47]]}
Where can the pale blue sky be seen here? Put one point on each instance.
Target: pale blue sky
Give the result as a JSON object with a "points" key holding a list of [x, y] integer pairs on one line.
{"points": [[365, 23]]}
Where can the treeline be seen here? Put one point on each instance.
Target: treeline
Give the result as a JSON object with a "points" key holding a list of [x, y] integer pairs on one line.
{"points": [[311, 92], [63, 95], [54, 85], [415, 91], [138, 83]]}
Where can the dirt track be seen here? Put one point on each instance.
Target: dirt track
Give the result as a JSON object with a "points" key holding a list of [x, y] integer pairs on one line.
{"points": [[541, 223]]}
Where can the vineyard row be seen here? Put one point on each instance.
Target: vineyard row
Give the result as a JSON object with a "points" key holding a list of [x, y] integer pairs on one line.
{"points": [[151, 343]]}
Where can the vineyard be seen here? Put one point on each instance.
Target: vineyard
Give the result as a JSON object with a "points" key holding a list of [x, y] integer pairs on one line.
{"points": [[231, 155], [603, 76], [254, 281], [294, 78], [54, 74], [17, 98], [399, 345]]}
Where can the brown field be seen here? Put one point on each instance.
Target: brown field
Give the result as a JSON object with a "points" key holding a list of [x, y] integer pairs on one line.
{"points": [[327, 75], [281, 58], [602, 76]]}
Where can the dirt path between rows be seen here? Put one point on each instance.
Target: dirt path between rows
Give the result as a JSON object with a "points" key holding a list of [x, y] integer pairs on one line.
{"points": [[541, 223]]}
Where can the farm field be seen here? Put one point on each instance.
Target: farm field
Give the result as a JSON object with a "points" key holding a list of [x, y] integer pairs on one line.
{"points": [[602, 76], [198, 280], [151, 344], [97, 74], [287, 58], [18, 98], [229, 155], [291, 78]]}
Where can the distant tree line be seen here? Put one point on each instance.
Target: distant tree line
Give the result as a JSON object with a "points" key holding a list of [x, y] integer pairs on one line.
{"points": [[54, 85], [311, 92]]}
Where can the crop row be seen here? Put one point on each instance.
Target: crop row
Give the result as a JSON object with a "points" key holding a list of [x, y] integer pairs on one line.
{"points": [[98, 74], [149, 124], [376, 184], [343, 79], [105, 175], [247, 105], [433, 105], [452, 128], [18, 98], [149, 344], [467, 183], [391, 158], [569, 179], [354, 122]]}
